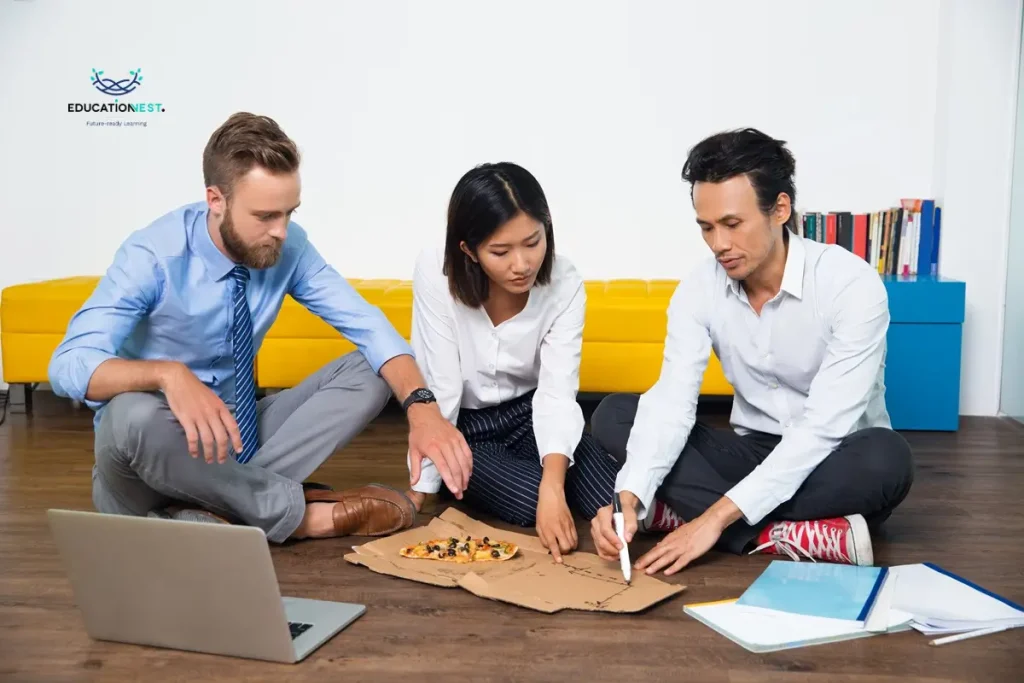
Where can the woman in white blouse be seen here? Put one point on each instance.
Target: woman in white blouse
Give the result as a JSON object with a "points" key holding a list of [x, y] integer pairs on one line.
{"points": [[497, 330]]}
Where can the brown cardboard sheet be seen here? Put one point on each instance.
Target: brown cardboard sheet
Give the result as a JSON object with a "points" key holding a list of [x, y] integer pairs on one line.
{"points": [[531, 579]]}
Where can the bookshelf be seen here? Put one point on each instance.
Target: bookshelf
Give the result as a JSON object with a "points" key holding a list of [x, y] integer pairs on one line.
{"points": [[926, 310]]}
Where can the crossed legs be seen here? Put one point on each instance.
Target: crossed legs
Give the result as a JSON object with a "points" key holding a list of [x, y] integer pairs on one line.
{"points": [[142, 461]]}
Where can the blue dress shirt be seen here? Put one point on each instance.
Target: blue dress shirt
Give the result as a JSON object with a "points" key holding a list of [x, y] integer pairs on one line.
{"points": [[167, 296]]}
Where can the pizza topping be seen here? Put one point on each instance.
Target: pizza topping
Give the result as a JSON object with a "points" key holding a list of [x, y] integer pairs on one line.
{"points": [[495, 553]]}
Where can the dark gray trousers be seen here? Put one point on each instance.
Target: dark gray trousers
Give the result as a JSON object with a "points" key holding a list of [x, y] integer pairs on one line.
{"points": [[143, 463], [870, 472]]}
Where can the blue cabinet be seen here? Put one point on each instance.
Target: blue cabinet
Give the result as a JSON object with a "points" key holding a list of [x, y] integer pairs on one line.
{"points": [[922, 367]]}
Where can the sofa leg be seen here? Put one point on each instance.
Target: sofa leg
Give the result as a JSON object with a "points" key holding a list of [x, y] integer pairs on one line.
{"points": [[28, 398]]}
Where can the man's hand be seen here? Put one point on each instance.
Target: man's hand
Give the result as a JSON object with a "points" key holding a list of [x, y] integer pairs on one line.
{"points": [[555, 525], [603, 528], [690, 541], [201, 413], [433, 437]]}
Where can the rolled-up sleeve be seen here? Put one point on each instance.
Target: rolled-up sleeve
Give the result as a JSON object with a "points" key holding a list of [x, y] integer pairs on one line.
{"points": [[667, 411], [557, 417], [124, 295], [329, 296], [858, 315], [436, 348]]}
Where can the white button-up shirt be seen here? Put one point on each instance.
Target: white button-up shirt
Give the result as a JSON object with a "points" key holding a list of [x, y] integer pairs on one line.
{"points": [[468, 362], [810, 368]]}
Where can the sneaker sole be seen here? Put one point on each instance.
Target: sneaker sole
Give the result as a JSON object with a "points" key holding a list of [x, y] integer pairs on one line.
{"points": [[864, 554]]}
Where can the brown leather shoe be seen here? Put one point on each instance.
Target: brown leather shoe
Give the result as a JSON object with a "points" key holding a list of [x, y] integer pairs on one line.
{"points": [[373, 510]]}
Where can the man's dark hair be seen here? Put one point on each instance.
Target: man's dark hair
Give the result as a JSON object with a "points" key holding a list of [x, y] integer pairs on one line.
{"points": [[484, 199], [767, 162]]}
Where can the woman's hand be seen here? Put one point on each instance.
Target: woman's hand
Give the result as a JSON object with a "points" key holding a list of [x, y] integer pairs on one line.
{"points": [[555, 525]]}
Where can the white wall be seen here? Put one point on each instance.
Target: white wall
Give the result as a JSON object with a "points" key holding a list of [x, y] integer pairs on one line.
{"points": [[392, 101], [976, 103], [1012, 381]]}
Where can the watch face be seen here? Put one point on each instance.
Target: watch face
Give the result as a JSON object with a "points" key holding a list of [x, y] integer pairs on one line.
{"points": [[419, 395]]}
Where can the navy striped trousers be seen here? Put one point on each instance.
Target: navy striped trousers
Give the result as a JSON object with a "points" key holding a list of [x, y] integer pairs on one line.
{"points": [[507, 468]]}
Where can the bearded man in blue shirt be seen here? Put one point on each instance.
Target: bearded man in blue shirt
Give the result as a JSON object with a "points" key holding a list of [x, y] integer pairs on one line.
{"points": [[163, 351]]}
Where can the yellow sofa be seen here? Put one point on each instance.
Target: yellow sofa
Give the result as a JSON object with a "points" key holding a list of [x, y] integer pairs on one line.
{"points": [[623, 337]]}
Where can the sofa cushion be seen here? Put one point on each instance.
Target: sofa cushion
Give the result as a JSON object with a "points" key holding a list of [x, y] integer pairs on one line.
{"points": [[33, 318], [623, 335]]}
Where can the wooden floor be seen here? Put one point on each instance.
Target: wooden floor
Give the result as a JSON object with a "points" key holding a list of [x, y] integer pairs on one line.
{"points": [[964, 512]]}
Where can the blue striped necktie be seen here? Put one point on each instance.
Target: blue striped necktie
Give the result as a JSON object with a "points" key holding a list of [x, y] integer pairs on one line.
{"points": [[245, 386]]}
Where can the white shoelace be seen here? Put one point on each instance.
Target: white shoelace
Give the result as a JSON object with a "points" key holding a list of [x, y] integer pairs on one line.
{"points": [[669, 518], [660, 518], [823, 540]]}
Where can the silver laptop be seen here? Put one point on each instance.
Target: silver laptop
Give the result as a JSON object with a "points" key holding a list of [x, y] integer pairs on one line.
{"points": [[188, 586]]}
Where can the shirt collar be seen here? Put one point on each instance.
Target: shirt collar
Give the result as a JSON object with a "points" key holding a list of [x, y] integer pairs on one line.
{"points": [[792, 275], [217, 264]]}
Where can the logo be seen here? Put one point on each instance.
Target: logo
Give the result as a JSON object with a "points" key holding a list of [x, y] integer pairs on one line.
{"points": [[117, 87], [109, 86]]}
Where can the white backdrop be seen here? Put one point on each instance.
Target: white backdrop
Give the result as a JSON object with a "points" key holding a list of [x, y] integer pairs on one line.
{"points": [[392, 101]]}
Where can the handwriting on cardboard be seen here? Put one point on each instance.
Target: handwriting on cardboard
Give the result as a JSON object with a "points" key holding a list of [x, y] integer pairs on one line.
{"points": [[532, 579]]}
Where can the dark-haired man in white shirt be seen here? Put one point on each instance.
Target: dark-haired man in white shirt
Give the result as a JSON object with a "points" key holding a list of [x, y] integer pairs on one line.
{"points": [[812, 463]]}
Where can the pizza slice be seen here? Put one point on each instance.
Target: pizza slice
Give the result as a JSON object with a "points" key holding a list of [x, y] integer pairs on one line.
{"points": [[442, 549], [461, 550], [494, 551]]}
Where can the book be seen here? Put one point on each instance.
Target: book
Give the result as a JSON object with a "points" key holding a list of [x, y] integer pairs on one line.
{"points": [[816, 589]]}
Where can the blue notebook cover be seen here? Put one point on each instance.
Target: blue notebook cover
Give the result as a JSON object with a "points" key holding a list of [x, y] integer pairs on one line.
{"points": [[837, 591]]}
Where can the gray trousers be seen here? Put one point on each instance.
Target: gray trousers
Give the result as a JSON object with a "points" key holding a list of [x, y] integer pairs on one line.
{"points": [[143, 463]]}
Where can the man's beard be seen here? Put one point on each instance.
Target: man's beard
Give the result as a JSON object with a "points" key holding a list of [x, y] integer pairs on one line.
{"points": [[258, 257]]}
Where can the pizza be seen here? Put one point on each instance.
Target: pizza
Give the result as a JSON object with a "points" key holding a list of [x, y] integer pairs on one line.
{"points": [[461, 550]]}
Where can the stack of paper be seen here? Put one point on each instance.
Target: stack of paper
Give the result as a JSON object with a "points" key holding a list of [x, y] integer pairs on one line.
{"points": [[942, 603], [800, 604], [765, 630]]}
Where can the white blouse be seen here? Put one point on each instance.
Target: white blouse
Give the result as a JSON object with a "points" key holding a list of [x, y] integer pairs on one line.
{"points": [[468, 362]]}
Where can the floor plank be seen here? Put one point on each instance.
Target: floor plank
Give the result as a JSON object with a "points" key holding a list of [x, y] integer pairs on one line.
{"points": [[964, 512]]}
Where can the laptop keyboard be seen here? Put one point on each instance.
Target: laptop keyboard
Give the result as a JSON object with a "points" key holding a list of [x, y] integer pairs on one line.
{"points": [[298, 628]]}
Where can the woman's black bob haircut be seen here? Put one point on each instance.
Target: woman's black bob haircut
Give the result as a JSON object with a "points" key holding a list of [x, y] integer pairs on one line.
{"points": [[484, 199]]}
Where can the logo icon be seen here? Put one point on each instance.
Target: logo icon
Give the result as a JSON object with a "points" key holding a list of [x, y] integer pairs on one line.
{"points": [[108, 86]]}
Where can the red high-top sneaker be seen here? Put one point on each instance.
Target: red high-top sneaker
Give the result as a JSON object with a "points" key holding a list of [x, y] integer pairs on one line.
{"points": [[844, 540], [661, 518]]}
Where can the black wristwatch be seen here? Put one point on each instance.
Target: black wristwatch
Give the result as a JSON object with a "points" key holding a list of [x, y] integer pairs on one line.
{"points": [[418, 396]]}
